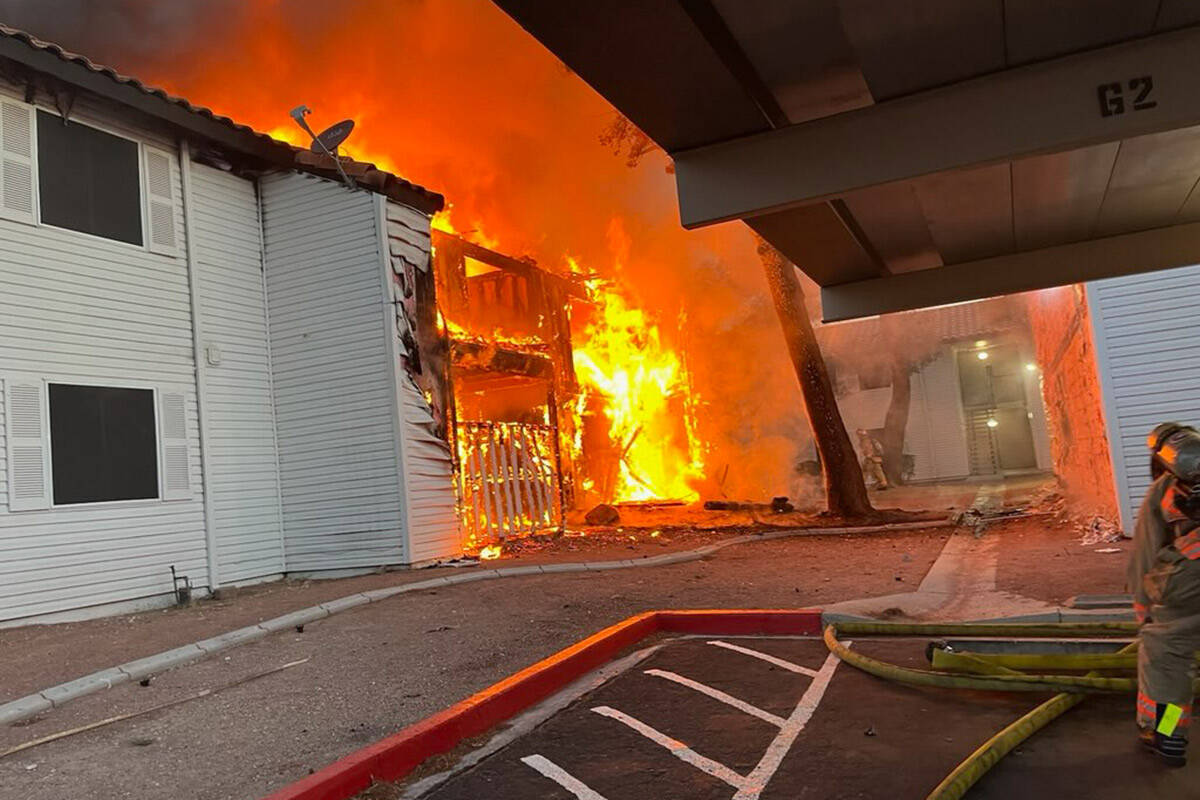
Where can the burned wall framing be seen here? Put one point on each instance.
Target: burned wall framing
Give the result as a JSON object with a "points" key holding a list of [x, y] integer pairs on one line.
{"points": [[504, 316]]}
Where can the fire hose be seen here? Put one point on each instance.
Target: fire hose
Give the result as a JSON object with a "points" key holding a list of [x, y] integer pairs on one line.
{"points": [[994, 673]]}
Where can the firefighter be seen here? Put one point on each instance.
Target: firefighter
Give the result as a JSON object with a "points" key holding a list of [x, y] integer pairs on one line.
{"points": [[872, 458], [1164, 576]]}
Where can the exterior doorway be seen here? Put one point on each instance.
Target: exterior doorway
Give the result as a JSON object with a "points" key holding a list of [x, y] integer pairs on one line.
{"points": [[999, 434]]}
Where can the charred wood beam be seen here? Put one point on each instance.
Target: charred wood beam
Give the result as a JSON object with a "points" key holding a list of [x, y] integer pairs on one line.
{"points": [[496, 358], [457, 244]]}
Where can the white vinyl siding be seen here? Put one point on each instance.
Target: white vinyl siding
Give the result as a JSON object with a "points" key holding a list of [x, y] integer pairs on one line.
{"points": [[237, 389], [935, 435], [935, 421], [334, 391], [1148, 352], [428, 470], [76, 308]]}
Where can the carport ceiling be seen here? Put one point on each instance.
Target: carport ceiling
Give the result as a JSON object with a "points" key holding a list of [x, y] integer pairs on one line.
{"points": [[916, 153]]}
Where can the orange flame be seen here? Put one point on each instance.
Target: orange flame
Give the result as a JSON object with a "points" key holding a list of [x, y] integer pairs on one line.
{"points": [[622, 360], [490, 552], [454, 95]]}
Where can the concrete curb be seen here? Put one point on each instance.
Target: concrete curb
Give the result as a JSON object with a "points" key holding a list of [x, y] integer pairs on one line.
{"points": [[55, 696]]}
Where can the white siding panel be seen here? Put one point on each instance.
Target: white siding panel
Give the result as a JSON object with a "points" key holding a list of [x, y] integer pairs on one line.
{"points": [[241, 422], [432, 522], [1148, 351], [74, 556], [81, 308], [937, 404], [934, 435], [338, 457]]}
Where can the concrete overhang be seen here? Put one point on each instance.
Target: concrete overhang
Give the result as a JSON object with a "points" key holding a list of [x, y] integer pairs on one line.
{"points": [[920, 153]]}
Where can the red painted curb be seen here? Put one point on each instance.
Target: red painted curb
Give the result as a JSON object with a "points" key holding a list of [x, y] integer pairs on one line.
{"points": [[728, 622], [397, 755]]}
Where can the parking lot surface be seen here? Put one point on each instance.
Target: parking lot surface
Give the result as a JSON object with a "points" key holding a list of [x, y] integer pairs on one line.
{"points": [[775, 718]]}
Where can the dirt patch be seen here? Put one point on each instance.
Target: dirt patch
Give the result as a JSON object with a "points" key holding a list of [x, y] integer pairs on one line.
{"points": [[1043, 559], [37, 656], [599, 543]]}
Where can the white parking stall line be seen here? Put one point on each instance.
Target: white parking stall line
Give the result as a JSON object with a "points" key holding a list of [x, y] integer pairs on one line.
{"points": [[677, 748], [762, 773], [779, 662], [560, 776], [717, 694]]}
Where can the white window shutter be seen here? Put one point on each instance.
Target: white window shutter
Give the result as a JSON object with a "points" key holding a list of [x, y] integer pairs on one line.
{"points": [[28, 444], [18, 175], [176, 461], [160, 201]]}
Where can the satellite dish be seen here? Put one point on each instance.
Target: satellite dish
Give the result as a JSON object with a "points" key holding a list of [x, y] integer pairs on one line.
{"points": [[328, 140]]}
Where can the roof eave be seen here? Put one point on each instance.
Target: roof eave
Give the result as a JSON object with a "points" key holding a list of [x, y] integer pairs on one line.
{"points": [[194, 121], [199, 122]]}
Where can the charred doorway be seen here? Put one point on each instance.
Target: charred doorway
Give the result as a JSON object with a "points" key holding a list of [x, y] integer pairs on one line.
{"points": [[508, 375]]}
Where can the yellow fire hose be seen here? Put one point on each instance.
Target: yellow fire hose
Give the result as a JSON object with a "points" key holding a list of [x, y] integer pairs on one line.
{"points": [[993, 674], [1008, 682], [955, 661]]}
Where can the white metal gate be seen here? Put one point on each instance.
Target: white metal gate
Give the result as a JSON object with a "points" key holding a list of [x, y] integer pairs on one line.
{"points": [[508, 479]]}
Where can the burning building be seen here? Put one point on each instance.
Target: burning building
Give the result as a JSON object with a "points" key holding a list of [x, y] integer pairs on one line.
{"points": [[556, 394], [234, 359], [505, 381]]}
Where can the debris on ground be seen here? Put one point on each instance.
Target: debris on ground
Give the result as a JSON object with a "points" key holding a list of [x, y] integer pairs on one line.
{"points": [[781, 505], [1092, 528], [603, 514], [778, 505], [1108, 550], [978, 517], [1099, 530], [734, 505], [1048, 500]]}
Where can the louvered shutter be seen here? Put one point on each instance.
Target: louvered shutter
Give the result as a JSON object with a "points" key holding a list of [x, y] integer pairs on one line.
{"points": [[28, 446], [176, 463], [17, 174], [160, 202]]}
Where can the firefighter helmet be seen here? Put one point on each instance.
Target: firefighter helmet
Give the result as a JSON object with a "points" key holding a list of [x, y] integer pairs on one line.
{"points": [[1175, 448]]}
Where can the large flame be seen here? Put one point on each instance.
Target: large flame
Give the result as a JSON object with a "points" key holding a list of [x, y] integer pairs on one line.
{"points": [[454, 95], [622, 361]]}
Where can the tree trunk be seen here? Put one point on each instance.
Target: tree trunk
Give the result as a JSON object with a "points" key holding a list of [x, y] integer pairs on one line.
{"points": [[845, 491], [895, 421]]}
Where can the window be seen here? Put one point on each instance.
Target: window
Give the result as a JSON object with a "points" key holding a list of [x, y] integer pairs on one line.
{"points": [[103, 444], [70, 444], [88, 180]]}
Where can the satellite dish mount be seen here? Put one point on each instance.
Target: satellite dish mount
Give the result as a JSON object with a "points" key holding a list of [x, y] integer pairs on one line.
{"points": [[328, 140]]}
